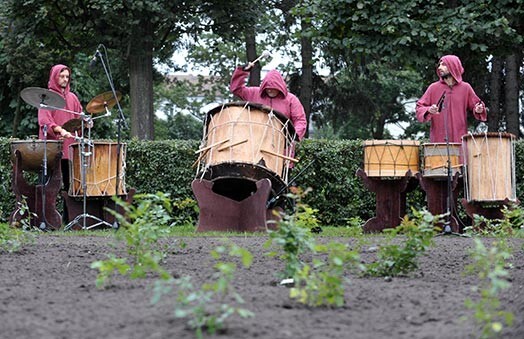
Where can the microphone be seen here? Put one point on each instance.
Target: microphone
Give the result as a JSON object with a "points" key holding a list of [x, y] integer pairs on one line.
{"points": [[441, 101], [92, 63]]}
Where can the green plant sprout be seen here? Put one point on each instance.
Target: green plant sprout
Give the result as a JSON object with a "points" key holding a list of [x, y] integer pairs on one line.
{"points": [[293, 236], [322, 283], [489, 264], [207, 308], [394, 259], [141, 227], [511, 225]]}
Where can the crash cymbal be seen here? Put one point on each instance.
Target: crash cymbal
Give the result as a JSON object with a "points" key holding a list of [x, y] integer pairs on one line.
{"points": [[35, 96], [99, 103], [72, 125]]}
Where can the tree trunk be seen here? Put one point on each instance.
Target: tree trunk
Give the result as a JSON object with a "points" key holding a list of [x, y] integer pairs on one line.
{"points": [[251, 53], [18, 114], [141, 82], [512, 95], [306, 79], [495, 85]]}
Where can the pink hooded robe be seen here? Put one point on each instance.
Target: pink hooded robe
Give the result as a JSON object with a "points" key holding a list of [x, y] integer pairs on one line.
{"points": [[285, 102], [53, 118], [458, 101]]}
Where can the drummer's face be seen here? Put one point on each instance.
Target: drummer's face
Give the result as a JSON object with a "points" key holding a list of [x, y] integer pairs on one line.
{"points": [[271, 92], [63, 78]]}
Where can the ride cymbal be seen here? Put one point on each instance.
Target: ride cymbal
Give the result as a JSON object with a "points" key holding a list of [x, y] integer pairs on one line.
{"points": [[36, 96], [99, 103]]}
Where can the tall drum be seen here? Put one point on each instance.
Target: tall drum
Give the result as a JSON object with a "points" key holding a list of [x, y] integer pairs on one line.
{"points": [[436, 159], [391, 158], [102, 166], [245, 142], [489, 167]]}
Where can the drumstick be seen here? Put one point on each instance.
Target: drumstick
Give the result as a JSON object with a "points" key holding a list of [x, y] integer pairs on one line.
{"points": [[211, 146], [202, 155], [440, 166], [263, 55], [279, 155], [232, 145]]}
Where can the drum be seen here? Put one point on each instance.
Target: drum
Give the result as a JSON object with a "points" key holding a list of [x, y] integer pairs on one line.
{"points": [[489, 167], [32, 152], [391, 158], [436, 159], [246, 141], [101, 169]]}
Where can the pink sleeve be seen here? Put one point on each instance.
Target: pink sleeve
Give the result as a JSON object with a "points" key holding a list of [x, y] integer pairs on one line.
{"points": [[422, 107], [473, 99], [298, 117], [238, 85]]}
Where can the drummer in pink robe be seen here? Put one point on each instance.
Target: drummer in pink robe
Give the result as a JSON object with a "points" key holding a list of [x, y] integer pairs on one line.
{"points": [[446, 103], [273, 93]]}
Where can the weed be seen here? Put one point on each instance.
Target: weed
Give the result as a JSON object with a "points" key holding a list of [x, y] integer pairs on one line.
{"points": [[293, 235], [511, 225], [141, 226], [393, 259], [207, 308], [489, 266]]}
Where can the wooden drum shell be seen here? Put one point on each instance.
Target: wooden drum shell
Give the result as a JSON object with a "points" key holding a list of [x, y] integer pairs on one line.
{"points": [[436, 159], [391, 158], [101, 169], [32, 152], [489, 168]]}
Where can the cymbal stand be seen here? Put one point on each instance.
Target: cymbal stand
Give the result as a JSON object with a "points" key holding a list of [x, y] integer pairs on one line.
{"points": [[43, 224], [121, 121], [85, 151]]}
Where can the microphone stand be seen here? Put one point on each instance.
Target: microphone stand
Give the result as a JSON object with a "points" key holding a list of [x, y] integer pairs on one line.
{"points": [[43, 224], [121, 121], [449, 203]]}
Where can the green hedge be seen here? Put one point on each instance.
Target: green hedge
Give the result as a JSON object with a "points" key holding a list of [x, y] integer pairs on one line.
{"points": [[166, 166]]}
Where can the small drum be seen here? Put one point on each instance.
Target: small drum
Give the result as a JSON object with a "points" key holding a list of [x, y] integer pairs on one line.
{"points": [[489, 167], [33, 152], [246, 141], [436, 159], [391, 158], [101, 169]]}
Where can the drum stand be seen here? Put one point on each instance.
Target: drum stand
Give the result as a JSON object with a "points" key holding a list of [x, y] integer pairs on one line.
{"points": [[390, 200], [84, 153]]}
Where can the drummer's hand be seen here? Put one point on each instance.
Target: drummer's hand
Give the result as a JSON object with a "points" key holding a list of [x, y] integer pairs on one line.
{"points": [[248, 66], [433, 109], [65, 134], [479, 108]]}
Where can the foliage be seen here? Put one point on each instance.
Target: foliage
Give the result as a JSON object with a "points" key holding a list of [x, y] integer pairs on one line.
{"points": [[489, 265], [208, 307], [511, 225], [12, 239], [393, 259], [141, 226], [293, 235], [322, 282]]}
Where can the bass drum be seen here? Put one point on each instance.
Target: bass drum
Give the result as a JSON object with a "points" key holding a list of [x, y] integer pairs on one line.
{"points": [[33, 152]]}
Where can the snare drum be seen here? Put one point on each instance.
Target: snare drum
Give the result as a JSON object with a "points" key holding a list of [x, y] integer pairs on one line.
{"points": [[436, 159], [33, 152], [391, 158], [101, 169], [489, 167]]}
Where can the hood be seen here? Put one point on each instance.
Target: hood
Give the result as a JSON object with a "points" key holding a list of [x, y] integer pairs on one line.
{"points": [[273, 79], [454, 66], [53, 78]]}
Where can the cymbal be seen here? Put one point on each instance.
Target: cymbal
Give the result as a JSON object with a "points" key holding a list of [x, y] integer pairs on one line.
{"points": [[99, 103], [35, 96], [72, 125]]}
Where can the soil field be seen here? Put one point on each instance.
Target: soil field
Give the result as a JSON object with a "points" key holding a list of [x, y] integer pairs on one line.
{"points": [[47, 290]]}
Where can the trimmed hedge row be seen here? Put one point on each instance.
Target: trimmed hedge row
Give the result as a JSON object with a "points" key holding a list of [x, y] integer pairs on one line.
{"points": [[166, 166]]}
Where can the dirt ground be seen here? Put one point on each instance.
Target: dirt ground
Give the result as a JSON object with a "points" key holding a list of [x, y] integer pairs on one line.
{"points": [[48, 291]]}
